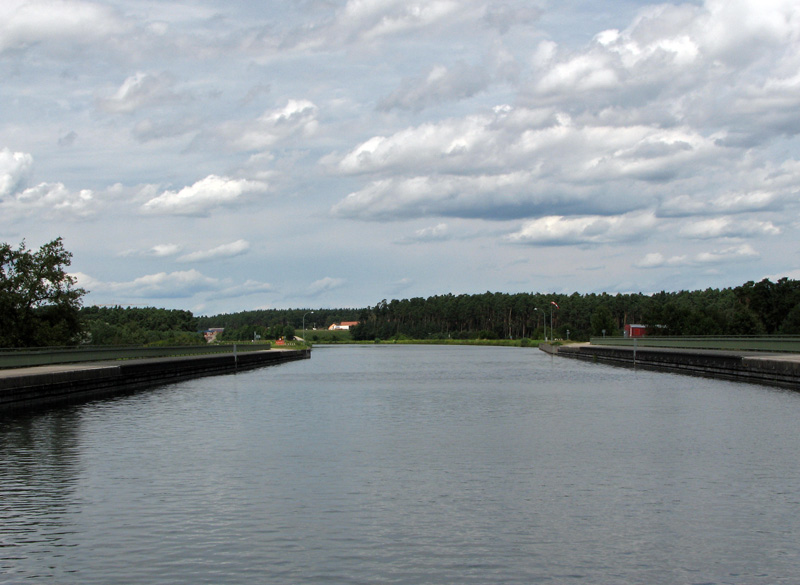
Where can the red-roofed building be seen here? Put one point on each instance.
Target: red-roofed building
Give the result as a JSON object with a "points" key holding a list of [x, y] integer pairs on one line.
{"points": [[344, 325]]}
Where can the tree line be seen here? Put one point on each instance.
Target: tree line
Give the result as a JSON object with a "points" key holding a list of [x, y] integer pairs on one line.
{"points": [[139, 326], [40, 305], [275, 323], [750, 309]]}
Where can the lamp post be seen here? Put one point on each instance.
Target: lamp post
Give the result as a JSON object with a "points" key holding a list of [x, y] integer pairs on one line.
{"points": [[304, 324], [544, 321]]}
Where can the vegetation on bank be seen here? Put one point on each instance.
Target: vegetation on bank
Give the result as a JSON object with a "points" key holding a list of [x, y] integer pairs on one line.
{"points": [[39, 302], [140, 326], [40, 305], [751, 309]]}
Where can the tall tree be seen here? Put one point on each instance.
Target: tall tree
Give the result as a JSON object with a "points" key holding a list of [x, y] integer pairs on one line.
{"points": [[39, 303]]}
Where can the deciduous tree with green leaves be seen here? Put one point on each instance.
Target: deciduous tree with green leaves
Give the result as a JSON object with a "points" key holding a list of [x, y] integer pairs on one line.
{"points": [[39, 302]]}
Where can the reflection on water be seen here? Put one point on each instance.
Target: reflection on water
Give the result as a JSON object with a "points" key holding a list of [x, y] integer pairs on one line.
{"points": [[403, 464]]}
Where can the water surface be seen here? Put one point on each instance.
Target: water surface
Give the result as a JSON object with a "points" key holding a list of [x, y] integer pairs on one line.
{"points": [[409, 464]]}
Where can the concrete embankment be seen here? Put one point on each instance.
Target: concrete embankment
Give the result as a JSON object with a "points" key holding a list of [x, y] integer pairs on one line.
{"points": [[775, 369], [41, 386]]}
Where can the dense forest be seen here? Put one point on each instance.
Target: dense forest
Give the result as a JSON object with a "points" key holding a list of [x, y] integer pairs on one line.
{"points": [[139, 326], [149, 325], [751, 309], [275, 323]]}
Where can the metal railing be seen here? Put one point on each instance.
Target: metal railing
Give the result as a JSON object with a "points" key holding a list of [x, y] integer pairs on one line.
{"points": [[18, 358], [776, 343]]}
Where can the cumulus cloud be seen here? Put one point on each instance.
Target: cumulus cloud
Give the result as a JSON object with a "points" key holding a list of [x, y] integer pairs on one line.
{"points": [[139, 91], [727, 203], [163, 285], [550, 157], [163, 250], [683, 60], [657, 260], [559, 230], [45, 200], [510, 196], [156, 251], [15, 171], [732, 254], [741, 253], [298, 118], [27, 23], [203, 196], [727, 227], [229, 250], [51, 201]]}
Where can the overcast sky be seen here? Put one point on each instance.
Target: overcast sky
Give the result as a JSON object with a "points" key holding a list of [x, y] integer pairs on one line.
{"points": [[228, 155]]}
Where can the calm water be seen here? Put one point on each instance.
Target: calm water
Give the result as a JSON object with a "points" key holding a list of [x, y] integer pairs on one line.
{"points": [[404, 464]]}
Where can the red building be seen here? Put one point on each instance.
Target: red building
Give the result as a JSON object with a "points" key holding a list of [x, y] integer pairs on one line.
{"points": [[635, 330]]}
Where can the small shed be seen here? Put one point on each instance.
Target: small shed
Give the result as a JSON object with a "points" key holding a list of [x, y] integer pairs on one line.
{"points": [[635, 330]]}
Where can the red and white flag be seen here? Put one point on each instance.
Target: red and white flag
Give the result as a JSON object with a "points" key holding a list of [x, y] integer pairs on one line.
{"points": [[554, 304]]}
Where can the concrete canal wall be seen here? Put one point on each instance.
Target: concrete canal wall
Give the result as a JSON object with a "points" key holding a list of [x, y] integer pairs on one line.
{"points": [[36, 387], [762, 368]]}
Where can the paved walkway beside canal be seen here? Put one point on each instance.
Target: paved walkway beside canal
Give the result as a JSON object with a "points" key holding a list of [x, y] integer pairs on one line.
{"points": [[37, 386], [777, 369]]}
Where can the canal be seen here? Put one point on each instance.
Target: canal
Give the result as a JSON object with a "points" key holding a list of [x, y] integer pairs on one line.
{"points": [[409, 464]]}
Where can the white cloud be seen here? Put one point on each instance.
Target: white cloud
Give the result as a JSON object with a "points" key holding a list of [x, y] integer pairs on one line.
{"points": [[15, 171], [27, 23], [229, 250], [510, 196], [203, 196], [163, 250], [732, 254], [668, 128], [741, 253], [559, 160], [51, 201], [163, 285], [139, 91], [726, 227], [298, 118], [157, 251], [657, 260], [727, 203], [558, 230]]}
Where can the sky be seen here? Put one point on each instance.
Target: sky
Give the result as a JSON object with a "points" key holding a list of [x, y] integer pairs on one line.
{"points": [[229, 155]]}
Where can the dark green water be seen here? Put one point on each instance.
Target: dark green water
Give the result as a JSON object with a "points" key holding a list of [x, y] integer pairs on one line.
{"points": [[408, 464]]}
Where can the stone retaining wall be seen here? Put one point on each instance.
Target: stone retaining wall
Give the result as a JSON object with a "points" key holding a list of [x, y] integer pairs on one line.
{"points": [[775, 370], [53, 385]]}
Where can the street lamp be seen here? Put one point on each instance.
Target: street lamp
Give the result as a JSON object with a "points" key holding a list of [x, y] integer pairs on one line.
{"points": [[544, 321], [304, 324]]}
